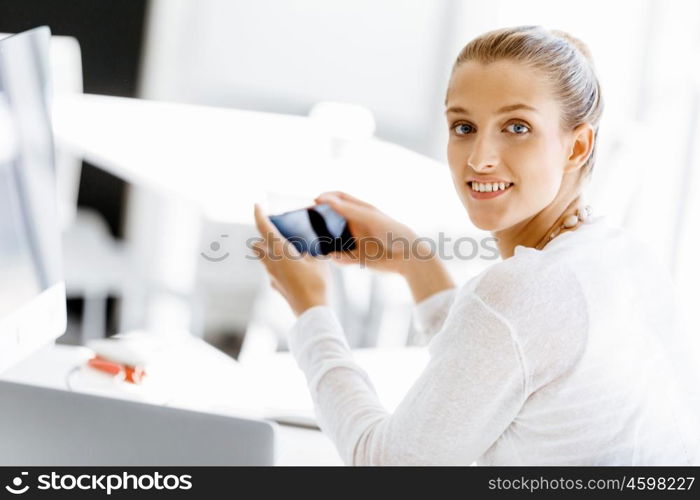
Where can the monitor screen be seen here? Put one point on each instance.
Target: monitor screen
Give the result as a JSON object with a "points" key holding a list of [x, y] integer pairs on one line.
{"points": [[29, 233], [20, 282]]}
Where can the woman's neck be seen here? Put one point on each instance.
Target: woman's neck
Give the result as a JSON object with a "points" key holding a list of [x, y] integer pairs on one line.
{"points": [[533, 230]]}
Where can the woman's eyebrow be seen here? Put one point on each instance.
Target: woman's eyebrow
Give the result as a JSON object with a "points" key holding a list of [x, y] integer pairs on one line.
{"points": [[504, 109], [513, 107], [456, 109]]}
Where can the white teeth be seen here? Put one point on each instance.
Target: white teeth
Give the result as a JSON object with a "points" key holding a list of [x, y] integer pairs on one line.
{"points": [[489, 187]]}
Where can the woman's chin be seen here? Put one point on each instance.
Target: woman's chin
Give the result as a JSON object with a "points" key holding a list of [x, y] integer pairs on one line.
{"points": [[486, 222]]}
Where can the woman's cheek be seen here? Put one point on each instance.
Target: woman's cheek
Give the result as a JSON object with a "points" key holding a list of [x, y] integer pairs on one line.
{"points": [[455, 159], [540, 188]]}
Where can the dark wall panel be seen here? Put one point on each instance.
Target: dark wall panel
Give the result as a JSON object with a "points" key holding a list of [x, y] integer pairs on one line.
{"points": [[110, 33]]}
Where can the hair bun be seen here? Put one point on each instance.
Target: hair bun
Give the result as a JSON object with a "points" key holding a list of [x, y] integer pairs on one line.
{"points": [[580, 46]]}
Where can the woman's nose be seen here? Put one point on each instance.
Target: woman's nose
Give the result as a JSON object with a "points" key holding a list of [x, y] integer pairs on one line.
{"points": [[483, 156]]}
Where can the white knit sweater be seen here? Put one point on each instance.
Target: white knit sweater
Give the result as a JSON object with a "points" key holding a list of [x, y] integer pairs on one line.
{"points": [[562, 356]]}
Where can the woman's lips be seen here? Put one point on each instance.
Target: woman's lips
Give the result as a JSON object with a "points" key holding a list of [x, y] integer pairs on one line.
{"points": [[487, 195]]}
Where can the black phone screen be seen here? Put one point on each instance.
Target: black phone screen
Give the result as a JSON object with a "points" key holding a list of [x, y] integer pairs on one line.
{"points": [[317, 230]]}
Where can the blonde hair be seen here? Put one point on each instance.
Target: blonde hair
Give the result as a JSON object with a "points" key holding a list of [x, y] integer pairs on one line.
{"points": [[565, 61]]}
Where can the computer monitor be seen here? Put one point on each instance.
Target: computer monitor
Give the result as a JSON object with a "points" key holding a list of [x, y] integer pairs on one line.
{"points": [[32, 292]]}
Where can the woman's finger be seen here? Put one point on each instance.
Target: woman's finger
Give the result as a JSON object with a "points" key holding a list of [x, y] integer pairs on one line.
{"points": [[263, 223], [347, 209], [259, 248], [274, 241], [346, 197], [261, 253]]}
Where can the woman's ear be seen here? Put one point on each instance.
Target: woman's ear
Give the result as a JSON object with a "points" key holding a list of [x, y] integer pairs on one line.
{"points": [[581, 147]]}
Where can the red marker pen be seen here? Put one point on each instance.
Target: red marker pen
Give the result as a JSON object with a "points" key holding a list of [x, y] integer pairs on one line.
{"points": [[128, 373]]}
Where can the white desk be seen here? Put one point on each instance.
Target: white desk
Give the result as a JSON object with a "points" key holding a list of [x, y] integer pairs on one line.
{"points": [[224, 160], [219, 384]]}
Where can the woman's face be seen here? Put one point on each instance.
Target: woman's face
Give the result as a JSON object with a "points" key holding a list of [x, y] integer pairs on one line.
{"points": [[505, 132]]}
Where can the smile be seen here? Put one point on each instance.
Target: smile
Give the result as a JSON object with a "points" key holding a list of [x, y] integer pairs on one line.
{"points": [[488, 190]]}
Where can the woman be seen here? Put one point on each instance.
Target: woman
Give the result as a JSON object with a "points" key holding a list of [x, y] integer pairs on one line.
{"points": [[553, 356]]}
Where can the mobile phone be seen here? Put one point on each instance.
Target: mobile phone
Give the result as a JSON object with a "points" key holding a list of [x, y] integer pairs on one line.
{"points": [[316, 230]]}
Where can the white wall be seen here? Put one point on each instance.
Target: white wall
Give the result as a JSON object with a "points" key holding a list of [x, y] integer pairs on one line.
{"points": [[269, 55], [392, 56]]}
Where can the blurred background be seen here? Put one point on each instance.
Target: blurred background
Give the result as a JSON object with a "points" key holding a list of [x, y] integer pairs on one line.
{"points": [[273, 101]]}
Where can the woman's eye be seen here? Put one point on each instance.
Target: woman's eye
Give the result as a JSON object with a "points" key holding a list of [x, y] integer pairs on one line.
{"points": [[463, 129], [517, 128]]}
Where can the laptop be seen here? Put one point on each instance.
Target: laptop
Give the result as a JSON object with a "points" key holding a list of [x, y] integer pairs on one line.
{"points": [[50, 427]]}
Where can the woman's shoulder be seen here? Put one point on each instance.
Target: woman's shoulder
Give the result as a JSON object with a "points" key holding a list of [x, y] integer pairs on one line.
{"points": [[542, 304], [525, 277], [555, 278], [534, 293], [594, 248]]}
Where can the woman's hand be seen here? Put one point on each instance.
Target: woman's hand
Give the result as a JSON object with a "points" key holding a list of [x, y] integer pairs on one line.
{"points": [[302, 280], [381, 243], [385, 244]]}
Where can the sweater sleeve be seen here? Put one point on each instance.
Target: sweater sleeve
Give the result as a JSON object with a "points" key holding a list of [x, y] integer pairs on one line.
{"points": [[430, 314], [470, 391]]}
